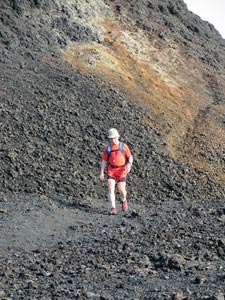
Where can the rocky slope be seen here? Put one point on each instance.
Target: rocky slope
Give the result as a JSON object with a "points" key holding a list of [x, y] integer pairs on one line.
{"points": [[70, 70]]}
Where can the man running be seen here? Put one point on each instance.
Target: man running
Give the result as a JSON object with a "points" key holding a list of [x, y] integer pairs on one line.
{"points": [[118, 158]]}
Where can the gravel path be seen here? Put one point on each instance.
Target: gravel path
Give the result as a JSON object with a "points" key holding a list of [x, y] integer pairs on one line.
{"points": [[55, 248]]}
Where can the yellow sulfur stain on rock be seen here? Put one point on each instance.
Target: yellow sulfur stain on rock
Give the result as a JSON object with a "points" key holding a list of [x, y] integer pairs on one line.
{"points": [[153, 78]]}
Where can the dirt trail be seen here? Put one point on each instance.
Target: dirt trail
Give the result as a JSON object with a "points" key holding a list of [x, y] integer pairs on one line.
{"points": [[55, 248]]}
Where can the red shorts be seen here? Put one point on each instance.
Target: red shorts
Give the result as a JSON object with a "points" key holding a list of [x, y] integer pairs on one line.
{"points": [[124, 179], [117, 173]]}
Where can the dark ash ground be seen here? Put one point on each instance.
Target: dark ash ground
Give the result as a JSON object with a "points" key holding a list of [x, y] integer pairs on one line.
{"points": [[53, 248]]}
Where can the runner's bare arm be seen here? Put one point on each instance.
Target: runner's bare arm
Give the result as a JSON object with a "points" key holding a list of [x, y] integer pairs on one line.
{"points": [[129, 163], [103, 166]]}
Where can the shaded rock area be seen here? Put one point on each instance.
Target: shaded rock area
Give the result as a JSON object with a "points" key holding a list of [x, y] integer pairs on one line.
{"points": [[56, 239]]}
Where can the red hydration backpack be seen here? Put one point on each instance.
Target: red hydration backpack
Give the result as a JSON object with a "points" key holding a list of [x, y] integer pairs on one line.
{"points": [[120, 150]]}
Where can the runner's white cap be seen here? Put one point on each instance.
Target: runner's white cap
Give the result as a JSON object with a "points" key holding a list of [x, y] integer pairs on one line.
{"points": [[113, 133]]}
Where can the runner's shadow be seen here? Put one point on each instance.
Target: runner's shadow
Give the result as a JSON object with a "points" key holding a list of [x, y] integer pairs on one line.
{"points": [[74, 204], [61, 201]]}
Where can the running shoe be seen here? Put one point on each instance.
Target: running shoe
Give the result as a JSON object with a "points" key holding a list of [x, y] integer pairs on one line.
{"points": [[113, 211], [124, 206]]}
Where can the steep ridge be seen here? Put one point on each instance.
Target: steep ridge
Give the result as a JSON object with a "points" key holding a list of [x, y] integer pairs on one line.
{"points": [[69, 71], [153, 69]]}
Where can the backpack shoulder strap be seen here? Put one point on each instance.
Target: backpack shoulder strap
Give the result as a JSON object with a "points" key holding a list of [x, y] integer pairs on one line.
{"points": [[121, 147], [109, 149]]}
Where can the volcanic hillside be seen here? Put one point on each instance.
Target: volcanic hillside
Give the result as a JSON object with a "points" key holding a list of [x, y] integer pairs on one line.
{"points": [[70, 70]]}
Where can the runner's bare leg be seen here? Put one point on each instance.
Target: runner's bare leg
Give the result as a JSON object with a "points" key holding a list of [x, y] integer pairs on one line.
{"points": [[122, 190], [111, 192]]}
